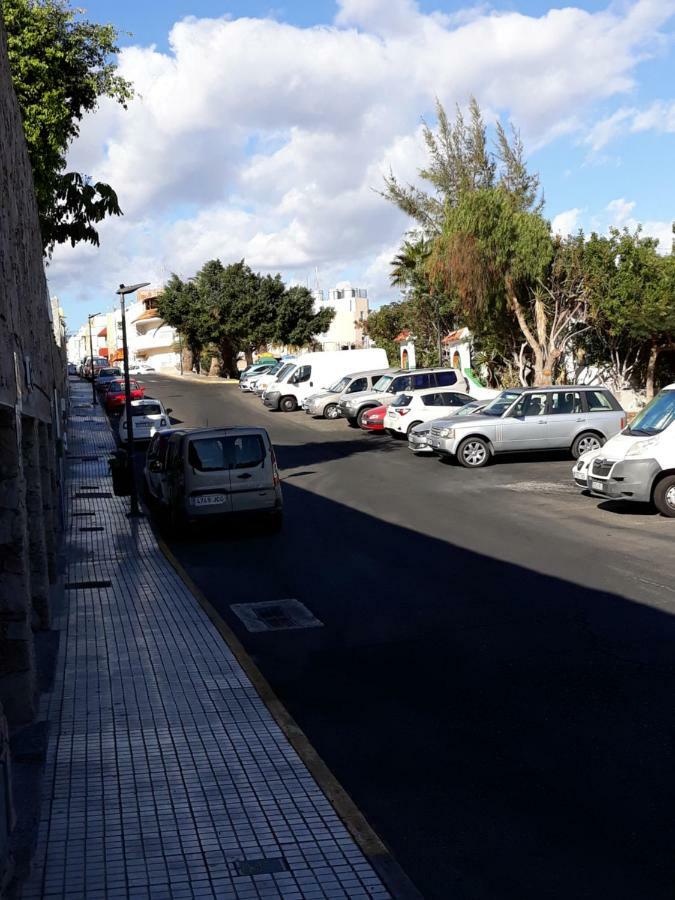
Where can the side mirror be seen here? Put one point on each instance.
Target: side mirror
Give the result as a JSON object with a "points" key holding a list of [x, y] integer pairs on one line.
{"points": [[168, 410]]}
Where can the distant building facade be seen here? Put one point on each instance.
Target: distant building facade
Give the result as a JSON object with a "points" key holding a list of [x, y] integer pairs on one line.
{"points": [[351, 311]]}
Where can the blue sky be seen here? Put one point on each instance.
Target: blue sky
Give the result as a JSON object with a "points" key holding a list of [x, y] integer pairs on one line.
{"points": [[268, 138]]}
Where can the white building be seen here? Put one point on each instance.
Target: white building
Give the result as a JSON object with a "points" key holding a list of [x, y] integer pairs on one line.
{"points": [[351, 311]]}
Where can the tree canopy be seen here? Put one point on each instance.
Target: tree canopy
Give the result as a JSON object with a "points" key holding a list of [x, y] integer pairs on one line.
{"points": [[61, 66]]}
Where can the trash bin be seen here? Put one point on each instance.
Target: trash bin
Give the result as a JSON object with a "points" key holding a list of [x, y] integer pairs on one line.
{"points": [[121, 473]]}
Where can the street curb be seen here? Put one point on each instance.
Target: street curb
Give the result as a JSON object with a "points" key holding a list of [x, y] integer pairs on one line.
{"points": [[199, 379], [370, 844]]}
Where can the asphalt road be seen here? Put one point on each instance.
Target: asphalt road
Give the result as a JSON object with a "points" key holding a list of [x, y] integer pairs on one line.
{"points": [[494, 679]]}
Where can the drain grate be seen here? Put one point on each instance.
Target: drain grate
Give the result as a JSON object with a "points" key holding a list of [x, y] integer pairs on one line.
{"points": [[83, 585], [275, 615], [102, 494], [90, 487], [253, 867], [83, 514], [93, 528]]}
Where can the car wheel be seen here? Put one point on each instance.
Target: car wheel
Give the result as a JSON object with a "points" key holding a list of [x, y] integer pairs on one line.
{"points": [[473, 453], [360, 419], [288, 404], [413, 425], [332, 411], [352, 422], [664, 496], [587, 440]]}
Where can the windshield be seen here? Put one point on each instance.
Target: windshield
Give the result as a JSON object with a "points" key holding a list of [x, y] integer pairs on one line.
{"points": [[340, 385], [470, 409], [656, 416], [500, 404], [105, 372], [383, 383], [286, 370]]}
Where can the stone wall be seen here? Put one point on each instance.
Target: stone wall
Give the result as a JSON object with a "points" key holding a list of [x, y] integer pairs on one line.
{"points": [[32, 393]]}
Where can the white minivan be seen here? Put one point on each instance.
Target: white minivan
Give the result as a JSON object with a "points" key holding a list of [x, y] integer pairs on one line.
{"points": [[316, 371], [639, 462]]}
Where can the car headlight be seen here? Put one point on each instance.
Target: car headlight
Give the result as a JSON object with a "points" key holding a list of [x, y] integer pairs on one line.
{"points": [[641, 448], [448, 432]]}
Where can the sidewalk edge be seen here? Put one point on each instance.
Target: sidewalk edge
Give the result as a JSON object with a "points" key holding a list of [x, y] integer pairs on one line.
{"points": [[370, 844]]}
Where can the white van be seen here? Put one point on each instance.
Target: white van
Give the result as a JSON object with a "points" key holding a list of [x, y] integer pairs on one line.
{"points": [[316, 371], [639, 462], [262, 383]]}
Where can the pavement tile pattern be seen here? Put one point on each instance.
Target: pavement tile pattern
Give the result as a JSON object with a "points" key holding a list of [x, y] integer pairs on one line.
{"points": [[166, 775]]}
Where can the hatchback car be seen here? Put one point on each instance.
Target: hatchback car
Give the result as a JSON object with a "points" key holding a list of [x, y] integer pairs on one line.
{"points": [[327, 403], [373, 420], [114, 397], [577, 418], [105, 376], [408, 410], [148, 417], [198, 473]]}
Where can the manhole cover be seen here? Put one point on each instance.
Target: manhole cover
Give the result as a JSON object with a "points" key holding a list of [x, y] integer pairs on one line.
{"points": [[254, 867], [275, 615], [83, 585]]}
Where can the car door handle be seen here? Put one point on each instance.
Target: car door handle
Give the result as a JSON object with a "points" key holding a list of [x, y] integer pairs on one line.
{"points": [[581, 419], [245, 475], [541, 422]]}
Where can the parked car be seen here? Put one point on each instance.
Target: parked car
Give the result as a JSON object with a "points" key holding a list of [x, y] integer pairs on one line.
{"points": [[148, 417], [327, 403], [566, 417], [140, 369], [100, 362], [248, 377], [71, 369], [639, 463], [316, 371], [373, 420], [198, 473], [418, 437], [105, 376], [114, 398], [262, 383], [398, 381], [411, 409]]}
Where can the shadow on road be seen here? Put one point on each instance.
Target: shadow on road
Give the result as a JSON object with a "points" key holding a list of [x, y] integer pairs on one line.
{"points": [[509, 734]]}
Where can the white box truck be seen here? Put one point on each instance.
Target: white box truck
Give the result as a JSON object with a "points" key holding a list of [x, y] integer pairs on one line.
{"points": [[313, 372]]}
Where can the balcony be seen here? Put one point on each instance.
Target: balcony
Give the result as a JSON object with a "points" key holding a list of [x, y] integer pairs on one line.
{"points": [[162, 338]]}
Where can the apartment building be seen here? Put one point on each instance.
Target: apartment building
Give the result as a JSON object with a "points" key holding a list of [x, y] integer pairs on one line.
{"points": [[351, 311]]}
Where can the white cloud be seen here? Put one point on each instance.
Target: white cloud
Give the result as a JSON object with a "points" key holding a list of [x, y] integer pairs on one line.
{"points": [[566, 222], [659, 116], [256, 138]]}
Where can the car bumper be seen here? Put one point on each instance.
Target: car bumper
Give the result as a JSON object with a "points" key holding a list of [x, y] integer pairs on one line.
{"points": [[271, 401], [418, 446], [347, 412], [376, 426], [444, 446], [627, 480]]}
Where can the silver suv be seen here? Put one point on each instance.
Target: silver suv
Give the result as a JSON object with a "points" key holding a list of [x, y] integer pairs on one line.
{"points": [[565, 417], [327, 403], [396, 381]]}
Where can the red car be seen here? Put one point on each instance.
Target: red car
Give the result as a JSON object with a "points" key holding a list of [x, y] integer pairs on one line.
{"points": [[114, 398], [374, 419]]}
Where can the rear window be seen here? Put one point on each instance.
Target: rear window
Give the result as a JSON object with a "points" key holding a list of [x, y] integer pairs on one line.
{"points": [[402, 400], [445, 379], [148, 409], [229, 452], [109, 372]]}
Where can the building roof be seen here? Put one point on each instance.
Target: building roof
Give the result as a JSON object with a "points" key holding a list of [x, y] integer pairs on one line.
{"points": [[103, 333], [458, 335]]}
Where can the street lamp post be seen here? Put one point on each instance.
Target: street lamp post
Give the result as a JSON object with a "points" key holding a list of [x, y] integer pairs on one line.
{"points": [[91, 359], [123, 290]]}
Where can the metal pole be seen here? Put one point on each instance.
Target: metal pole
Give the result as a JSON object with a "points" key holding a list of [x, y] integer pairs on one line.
{"points": [[91, 360], [133, 498]]}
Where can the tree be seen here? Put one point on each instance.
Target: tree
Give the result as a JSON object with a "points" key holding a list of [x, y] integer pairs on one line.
{"points": [[296, 323], [180, 306], [61, 66], [383, 325]]}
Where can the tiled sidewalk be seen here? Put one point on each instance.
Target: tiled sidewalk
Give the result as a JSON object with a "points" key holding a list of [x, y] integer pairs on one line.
{"points": [[166, 775]]}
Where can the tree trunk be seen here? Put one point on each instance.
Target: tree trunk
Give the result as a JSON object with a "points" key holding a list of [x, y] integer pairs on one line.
{"points": [[228, 357], [249, 356], [215, 370], [654, 354], [187, 359]]}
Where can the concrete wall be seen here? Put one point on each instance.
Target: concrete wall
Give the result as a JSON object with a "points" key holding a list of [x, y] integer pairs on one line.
{"points": [[32, 391]]}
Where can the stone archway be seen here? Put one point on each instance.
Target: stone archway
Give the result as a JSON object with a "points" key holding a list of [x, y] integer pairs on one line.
{"points": [[405, 359], [456, 360]]}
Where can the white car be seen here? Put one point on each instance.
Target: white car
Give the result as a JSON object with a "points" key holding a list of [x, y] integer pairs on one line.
{"points": [[148, 416], [410, 409]]}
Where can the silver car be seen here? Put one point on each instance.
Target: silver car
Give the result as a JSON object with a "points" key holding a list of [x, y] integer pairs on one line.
{"points": [[577, 418], [327, 403], [418, 437]]}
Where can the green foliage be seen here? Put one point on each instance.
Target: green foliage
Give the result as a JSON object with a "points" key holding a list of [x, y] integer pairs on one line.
{"points": [[385, 323], [237, 310], [61, 66]]}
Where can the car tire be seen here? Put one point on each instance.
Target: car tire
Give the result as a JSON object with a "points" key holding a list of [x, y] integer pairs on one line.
{"points": [[473, 453], [411, 426], [288, 404], [362, 413], [664, 496], [587, 440], [331, 411], [352, 422]]}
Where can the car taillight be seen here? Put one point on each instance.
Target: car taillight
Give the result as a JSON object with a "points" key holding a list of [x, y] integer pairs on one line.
{"points": [[623, 422], [275, 471], [403, 412]]}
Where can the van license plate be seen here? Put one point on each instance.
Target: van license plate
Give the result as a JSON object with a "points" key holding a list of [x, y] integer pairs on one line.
{"points": [[597, 486], [209, 500]]}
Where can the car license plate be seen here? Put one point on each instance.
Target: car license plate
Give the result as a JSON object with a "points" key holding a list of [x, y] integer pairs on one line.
{"points": [[597, 486], [209, 500]]}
